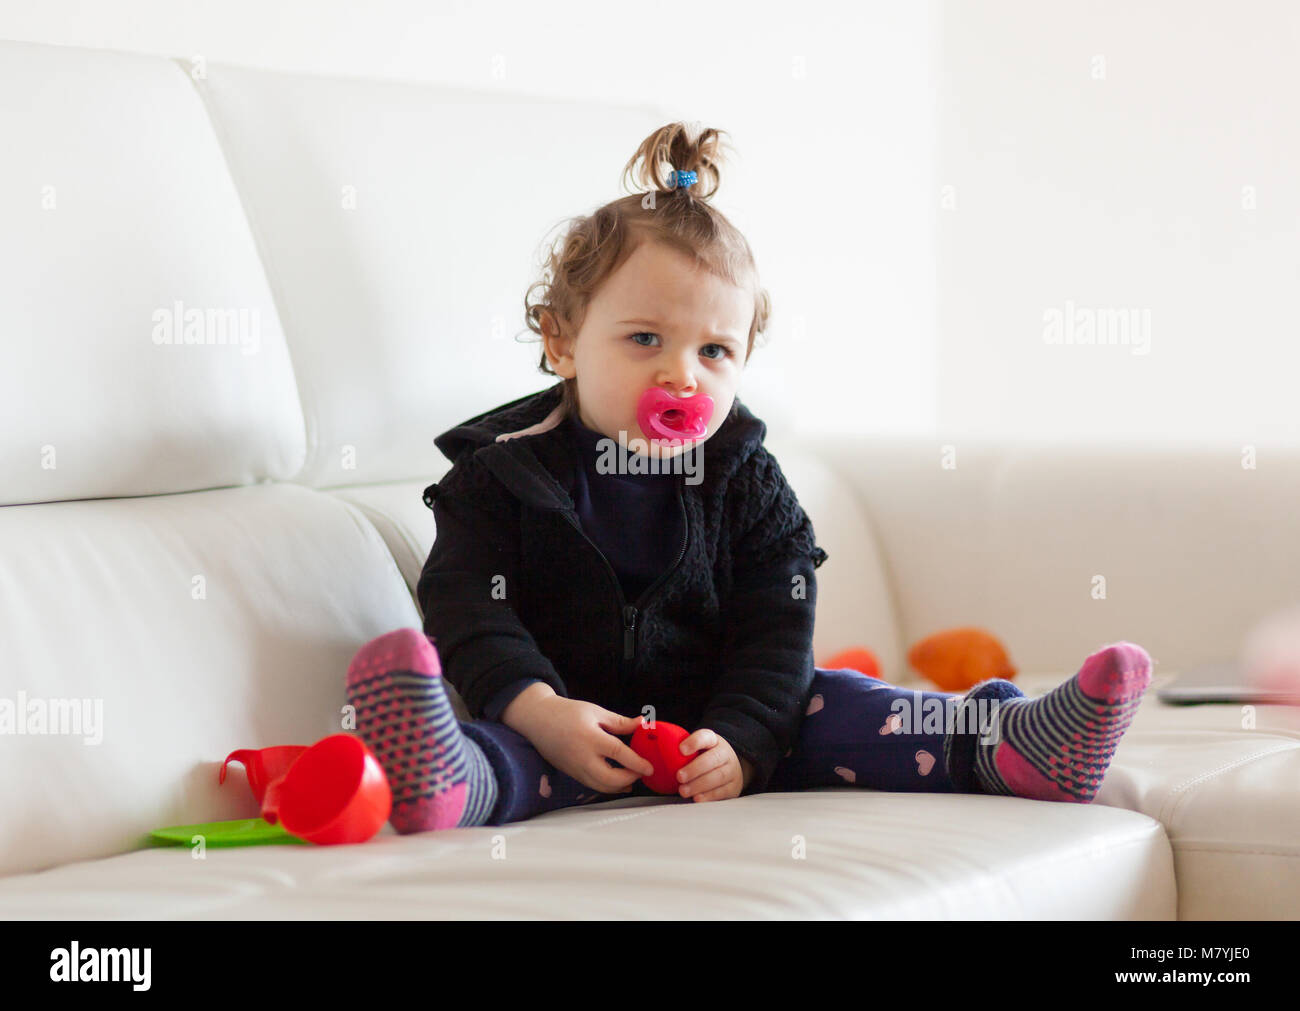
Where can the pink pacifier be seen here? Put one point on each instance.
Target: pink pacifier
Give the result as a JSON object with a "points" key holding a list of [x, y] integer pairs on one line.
{"points": [[674, 420]]}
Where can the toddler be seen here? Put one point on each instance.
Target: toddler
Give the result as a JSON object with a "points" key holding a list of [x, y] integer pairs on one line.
{"points": [[590, 572]]}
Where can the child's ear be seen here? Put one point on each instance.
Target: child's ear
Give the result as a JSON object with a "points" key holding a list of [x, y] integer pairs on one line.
{"points": [[559, 349], [561, 360]]}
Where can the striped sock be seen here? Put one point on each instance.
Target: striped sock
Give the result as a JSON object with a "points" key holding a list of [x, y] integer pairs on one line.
{"points": [[439, 777], [1059, 746]]}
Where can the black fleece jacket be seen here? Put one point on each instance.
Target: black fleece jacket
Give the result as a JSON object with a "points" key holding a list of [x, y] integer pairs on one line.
{"points": [[513, 588]]}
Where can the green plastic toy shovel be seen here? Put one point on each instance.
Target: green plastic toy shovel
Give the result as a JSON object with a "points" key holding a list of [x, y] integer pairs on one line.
{"points": [[240, 832]]}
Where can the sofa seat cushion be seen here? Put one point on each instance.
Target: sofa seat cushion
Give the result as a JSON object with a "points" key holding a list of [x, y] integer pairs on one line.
{"points": [[828, 853]]}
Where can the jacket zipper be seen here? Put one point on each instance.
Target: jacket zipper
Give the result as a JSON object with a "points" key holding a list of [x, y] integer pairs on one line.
{"points": [[628, 611], [630, 614]]}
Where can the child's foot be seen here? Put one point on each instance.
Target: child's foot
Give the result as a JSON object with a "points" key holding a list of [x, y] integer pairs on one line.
{"points": [[439, 777], [1059, 746]]}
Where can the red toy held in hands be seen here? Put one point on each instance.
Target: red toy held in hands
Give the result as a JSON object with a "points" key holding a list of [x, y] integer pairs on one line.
{"points": [[660, 744]]}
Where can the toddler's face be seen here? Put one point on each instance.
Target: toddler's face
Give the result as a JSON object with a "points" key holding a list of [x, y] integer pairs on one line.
{"points": [[656, 321]]}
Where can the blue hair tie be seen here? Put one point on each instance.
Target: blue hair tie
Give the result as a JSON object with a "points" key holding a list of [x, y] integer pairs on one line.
{"points": [[684, 180]]}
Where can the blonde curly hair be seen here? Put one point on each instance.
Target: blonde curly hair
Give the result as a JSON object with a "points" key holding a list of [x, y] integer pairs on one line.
{"points": [[593, 246]]}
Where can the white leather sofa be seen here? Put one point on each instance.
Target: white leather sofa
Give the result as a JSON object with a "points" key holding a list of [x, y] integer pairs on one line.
{"points": [[197, 536]]}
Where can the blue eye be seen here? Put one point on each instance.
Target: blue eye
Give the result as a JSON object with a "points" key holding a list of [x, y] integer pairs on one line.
{"points": [[726, 351]]}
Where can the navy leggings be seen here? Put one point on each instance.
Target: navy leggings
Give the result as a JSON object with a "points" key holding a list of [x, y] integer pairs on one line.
{"points": [[847, 736]]}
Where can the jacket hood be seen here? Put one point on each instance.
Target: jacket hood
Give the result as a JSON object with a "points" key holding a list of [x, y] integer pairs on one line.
{"points": [[520, 443]]}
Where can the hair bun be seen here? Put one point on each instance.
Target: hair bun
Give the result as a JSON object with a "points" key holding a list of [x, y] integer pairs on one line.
{"points": [[684, 147]]}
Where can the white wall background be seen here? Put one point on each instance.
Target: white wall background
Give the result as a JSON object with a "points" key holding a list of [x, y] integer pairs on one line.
{"points": [[923, 183], [829, 106], [1133, 156]]}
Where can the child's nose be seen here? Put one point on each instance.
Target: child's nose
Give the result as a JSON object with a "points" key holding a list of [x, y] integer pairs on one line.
{"points": [[680, 383]]}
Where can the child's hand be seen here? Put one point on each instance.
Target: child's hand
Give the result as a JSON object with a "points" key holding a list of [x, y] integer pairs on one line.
{"points": [[717, 773], [578, 737]]}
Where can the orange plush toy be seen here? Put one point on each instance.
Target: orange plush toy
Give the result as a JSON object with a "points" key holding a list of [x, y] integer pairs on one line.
{"points": [[857, 658], [955, 660], [960, 658]]}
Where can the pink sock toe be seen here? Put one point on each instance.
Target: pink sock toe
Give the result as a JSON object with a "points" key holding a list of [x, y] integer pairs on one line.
{"points": [[402, 649], [1116, 673]]}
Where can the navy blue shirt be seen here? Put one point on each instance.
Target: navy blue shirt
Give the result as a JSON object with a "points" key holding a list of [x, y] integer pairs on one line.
{"points": [[633, 518]]}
